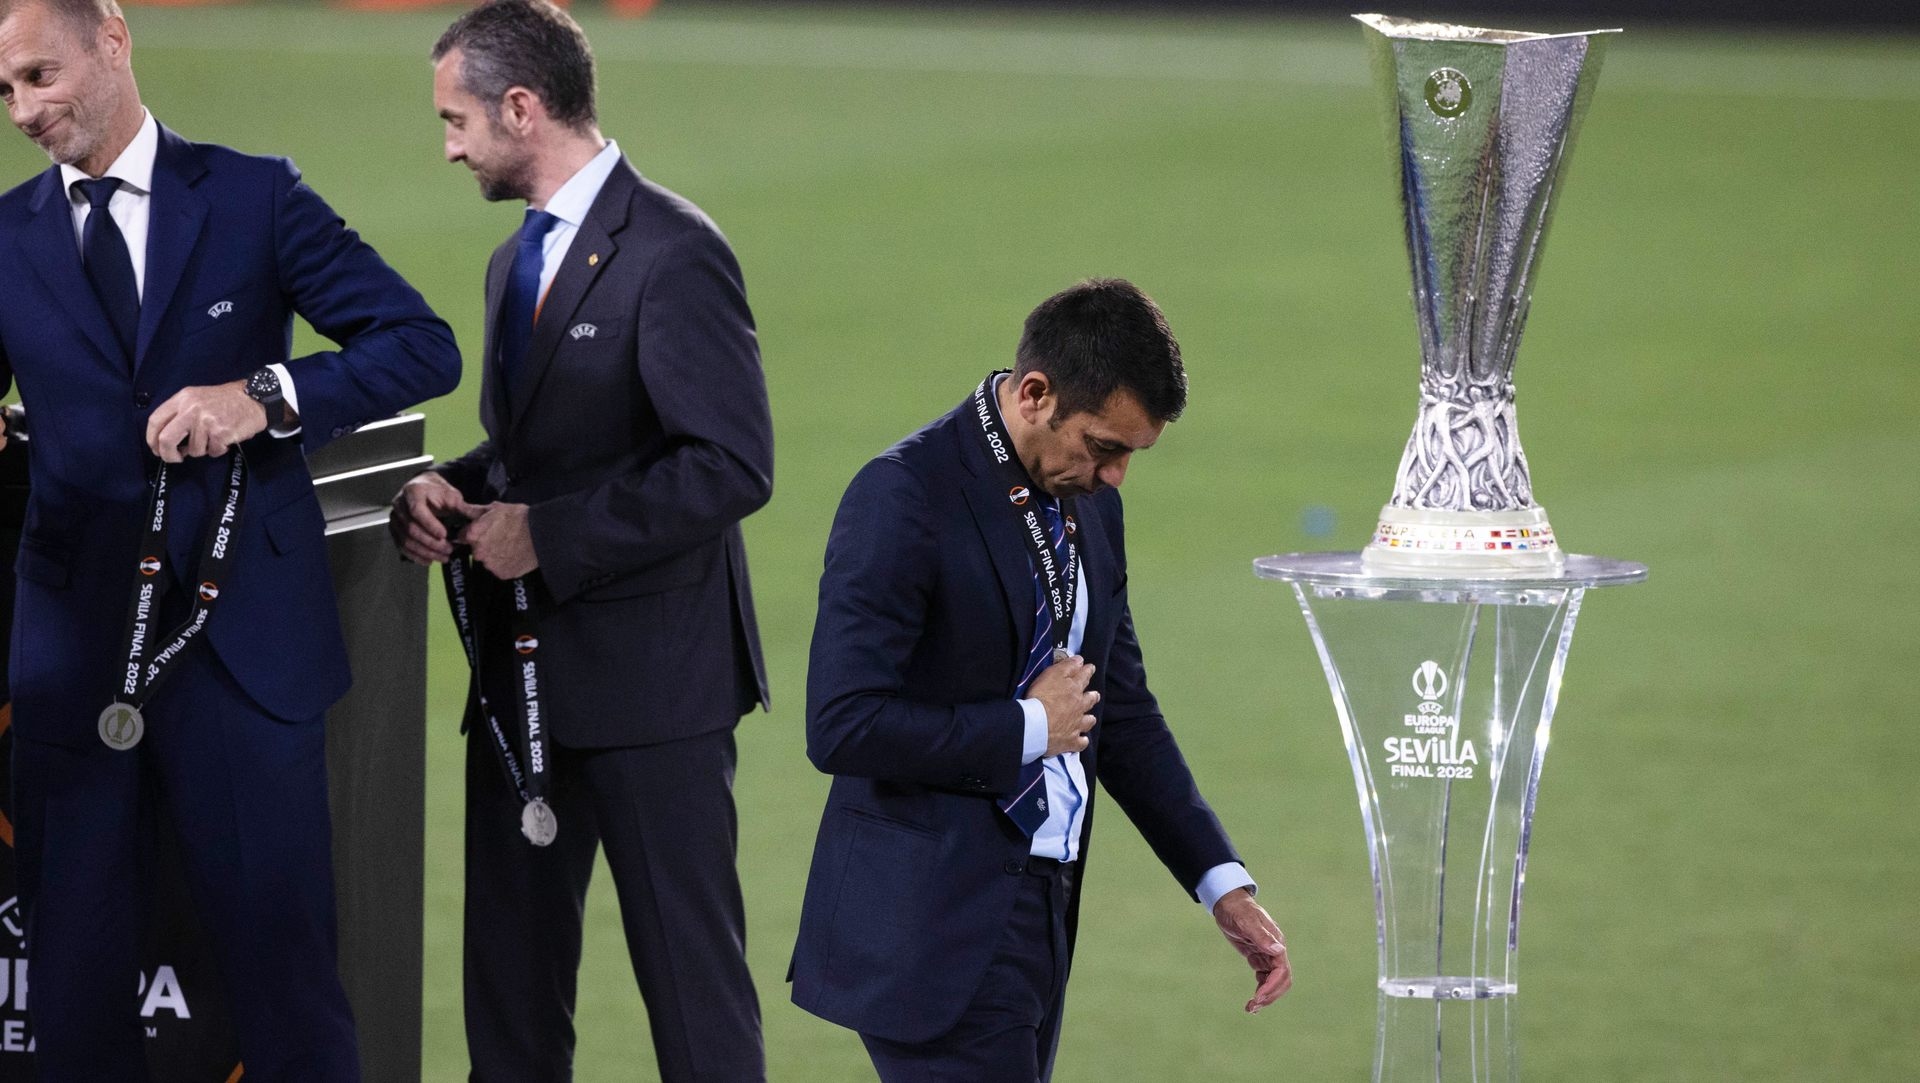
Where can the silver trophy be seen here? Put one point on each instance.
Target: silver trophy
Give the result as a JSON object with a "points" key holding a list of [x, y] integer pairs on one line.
{"points": [[1484, 121], [1445, 641]]}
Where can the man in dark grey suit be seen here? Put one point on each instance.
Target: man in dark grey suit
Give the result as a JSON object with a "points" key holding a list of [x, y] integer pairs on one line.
{"points": [[628, 435]]}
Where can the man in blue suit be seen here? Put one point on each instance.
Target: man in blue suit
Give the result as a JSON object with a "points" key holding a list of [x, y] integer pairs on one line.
{"points": [[150, 289], [974, 670]]}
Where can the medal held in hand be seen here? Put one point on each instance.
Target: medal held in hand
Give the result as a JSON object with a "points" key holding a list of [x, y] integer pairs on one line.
{"points": [[529, 744], [121, 724]]}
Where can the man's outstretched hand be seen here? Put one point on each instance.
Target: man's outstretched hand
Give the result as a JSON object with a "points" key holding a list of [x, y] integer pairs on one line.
{"points": [[1251, 931]]}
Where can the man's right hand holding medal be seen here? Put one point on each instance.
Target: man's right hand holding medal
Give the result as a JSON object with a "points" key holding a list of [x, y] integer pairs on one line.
{"points": [[1062, 689], [420, 516]]}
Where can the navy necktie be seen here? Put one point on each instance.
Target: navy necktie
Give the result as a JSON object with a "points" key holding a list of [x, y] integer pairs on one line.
{"points": [[110, 268], [522, 302], [1027, 804]]}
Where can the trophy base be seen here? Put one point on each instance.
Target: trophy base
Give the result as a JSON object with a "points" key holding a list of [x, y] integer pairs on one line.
{"points": [[1478, 544]]}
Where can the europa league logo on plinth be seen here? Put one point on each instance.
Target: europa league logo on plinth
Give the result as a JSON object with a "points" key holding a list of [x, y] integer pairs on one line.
{"points": [[1485, 120]]}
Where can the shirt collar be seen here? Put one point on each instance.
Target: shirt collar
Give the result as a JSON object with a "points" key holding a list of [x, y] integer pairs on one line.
{"points": [[134, 167], [575, 198]]}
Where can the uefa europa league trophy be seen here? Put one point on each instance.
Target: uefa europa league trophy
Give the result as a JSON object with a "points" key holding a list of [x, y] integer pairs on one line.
{"points": [[1445, 640]]}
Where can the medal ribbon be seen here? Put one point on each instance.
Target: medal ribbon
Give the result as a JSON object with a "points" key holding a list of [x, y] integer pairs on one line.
{"points": [[1059, 582], [144, 671], [529, 744]]}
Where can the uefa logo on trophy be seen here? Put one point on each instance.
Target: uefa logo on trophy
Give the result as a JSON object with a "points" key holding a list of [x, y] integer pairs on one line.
{"points": [[1485, 120]]}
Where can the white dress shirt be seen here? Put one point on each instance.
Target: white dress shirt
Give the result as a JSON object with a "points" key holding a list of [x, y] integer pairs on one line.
{"points": [[132, 210], [570, 205]]}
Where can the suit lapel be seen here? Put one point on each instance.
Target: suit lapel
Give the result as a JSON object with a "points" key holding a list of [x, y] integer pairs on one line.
{"points": [[52, 249], [175, 218], [593, 248], [993, 516]]}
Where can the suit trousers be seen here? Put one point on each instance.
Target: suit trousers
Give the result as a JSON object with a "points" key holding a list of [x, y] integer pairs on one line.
{"points": [[247, 794], [665, 813], [1010, 1030]]}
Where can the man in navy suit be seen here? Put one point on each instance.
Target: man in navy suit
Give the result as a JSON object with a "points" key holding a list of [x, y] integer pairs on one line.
{"points": [[150, 288], [628, 433], [974, 670]]}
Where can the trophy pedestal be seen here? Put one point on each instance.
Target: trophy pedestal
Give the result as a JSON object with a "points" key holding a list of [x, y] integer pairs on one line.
{"points": [[1445, 689]]}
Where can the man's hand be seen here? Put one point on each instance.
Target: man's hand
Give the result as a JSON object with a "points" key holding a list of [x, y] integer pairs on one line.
{"points": [[1062, 689], [418, 519], [1253, 934], [501, 541], [199, 421]]}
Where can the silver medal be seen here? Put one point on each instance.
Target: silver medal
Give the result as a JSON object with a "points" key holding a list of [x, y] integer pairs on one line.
{"points": [[1059, 655], [537, 823], [121, 726]]}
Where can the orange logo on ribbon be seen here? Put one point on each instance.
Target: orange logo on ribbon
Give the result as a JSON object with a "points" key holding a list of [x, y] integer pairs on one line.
{"points": [[150, 566], [1018, 494], [525, 644], [208, 591]]}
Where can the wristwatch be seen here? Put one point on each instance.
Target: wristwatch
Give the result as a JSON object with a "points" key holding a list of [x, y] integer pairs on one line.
{"points": [[263, 387]]}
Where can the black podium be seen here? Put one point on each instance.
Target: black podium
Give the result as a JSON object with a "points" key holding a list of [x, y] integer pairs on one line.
{"points": [[376, 762]]}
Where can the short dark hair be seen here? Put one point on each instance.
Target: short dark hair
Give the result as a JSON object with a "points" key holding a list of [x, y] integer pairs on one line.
{"points": [[85, 15], [528, 43], [1101, 336]]}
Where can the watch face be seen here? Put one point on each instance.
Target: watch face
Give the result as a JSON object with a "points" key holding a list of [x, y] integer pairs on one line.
{"points": [[263, 384]]}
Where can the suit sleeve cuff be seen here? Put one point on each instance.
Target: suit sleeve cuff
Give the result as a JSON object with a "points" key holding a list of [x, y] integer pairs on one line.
{"points": [[282, 432], [1034, 745], [1221, 879]]}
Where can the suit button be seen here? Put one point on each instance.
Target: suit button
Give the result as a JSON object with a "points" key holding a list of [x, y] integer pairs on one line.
{"points": [[141, 399], [1014, 868]]}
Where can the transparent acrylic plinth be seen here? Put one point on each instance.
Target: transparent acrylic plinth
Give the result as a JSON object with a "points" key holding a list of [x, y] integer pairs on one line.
{"points": [[1445, 689]]}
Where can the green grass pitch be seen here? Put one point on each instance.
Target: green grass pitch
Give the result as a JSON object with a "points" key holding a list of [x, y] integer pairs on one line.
{"points": [[1719, 379]]}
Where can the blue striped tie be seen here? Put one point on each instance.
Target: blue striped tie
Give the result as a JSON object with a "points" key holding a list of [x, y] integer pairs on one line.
{"points": [[1027, 804]]}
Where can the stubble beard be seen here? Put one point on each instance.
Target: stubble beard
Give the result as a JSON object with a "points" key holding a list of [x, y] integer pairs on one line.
{"points": [[498, 189], [76, 142], [513, 180]]}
